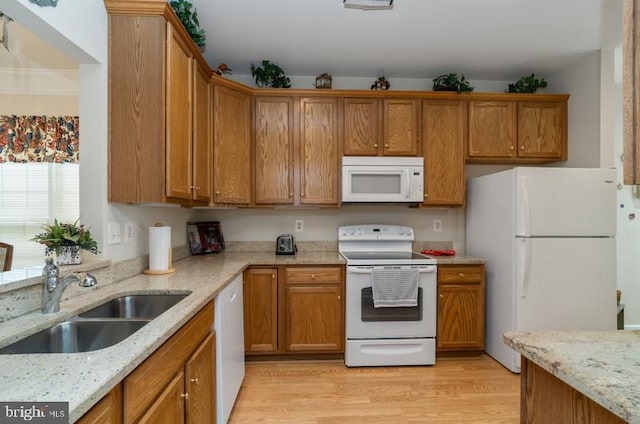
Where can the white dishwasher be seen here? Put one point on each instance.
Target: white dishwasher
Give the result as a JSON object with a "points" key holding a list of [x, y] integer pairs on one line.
{"points": [[229, 327]]}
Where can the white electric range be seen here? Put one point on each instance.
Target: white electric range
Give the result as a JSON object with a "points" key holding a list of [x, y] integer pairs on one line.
{"points": [[385, 336]]}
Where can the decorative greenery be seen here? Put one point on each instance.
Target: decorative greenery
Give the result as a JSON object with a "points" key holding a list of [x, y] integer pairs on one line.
{"points": [[270, 75], [527, 84], [451, 82], [61, 234], [190, 21]]}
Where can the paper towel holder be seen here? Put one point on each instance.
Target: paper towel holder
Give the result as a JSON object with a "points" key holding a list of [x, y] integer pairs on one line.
{"points": [[171, 269]]}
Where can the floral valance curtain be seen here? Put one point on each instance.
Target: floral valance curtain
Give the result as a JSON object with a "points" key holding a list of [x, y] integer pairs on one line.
{"points": [[30, 138]]}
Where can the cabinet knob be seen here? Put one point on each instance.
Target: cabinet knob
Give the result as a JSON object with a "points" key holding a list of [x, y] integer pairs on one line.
{"points": [[426, 196], [195, 380], [441, 296], [510, 147], [301, 194], [461, 274], [290, 194], [375, 145], [386, 145], [217, 193], [521, 147], [197, 187], [184, 395], [273, 276], [313, 276], [338, 297]]}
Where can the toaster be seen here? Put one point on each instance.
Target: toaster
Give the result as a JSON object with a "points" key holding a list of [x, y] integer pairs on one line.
{"points": [[285, 245]]}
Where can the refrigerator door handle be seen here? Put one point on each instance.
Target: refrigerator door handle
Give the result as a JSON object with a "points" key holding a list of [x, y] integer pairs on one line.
{"points": [[524, 262], [524, 218]]}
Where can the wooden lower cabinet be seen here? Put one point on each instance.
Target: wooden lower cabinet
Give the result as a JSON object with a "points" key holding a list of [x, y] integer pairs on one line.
{"points": [[260, 293], [547, 399], [460, 320], [294, 310], [107, 411], [176, 384]]}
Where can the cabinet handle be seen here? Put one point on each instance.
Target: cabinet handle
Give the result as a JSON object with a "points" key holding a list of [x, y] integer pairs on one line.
{"points": [[184, 395], [195, 380], [461, 274]]}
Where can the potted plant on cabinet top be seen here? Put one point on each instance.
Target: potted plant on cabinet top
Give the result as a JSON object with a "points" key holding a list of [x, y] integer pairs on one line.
{"points": [[190, 22], [451, 82], [67, 240], [527, 84], [270, 75]]}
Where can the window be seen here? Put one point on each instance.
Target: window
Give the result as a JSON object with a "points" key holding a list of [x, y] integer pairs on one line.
{"points": [[32, 194]]}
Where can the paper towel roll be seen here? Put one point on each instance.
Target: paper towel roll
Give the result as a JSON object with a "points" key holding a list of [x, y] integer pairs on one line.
{"points": [[159, 249]]}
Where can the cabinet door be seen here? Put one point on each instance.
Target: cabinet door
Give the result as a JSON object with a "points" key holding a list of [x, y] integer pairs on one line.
{"points": [[401, 127], [362, 120], [202, 136], [460, 307], [201, 383], [107, 411], [231, 146], [169, 407], [261, 310], [542, 130], [314, 318], [443, 136], [492, 129], [178, 117], [273, 150], [319, 157]]}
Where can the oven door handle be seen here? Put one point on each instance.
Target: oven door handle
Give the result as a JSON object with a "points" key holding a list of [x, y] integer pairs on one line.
{"points": [[358, 270]]}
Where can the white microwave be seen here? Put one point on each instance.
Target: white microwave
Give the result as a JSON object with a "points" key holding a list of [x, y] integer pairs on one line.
{"points": [[376, 179]]}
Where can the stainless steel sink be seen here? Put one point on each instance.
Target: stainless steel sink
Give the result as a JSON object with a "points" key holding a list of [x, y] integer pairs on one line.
{"points": [[76, 335], [147, 306]]}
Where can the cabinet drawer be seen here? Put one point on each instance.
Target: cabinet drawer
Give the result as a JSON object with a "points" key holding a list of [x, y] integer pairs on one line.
{"points": [[313, 275], [460, 274]]}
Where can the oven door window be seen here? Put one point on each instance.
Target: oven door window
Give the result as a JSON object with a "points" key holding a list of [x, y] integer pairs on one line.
{"points": [[371, 314]]}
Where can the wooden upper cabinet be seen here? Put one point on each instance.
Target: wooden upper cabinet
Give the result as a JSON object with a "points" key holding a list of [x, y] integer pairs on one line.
{"points": [[522, 130], [319, 155], [400, 127], [362, 124], [443, 137], [492, 129], [179, 117], [376, 127], [232, 146], [273, 152], [542, 129], [202, 135]]}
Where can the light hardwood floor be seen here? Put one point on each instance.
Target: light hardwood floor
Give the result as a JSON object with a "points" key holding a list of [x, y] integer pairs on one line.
{"points": [[455, 390]]}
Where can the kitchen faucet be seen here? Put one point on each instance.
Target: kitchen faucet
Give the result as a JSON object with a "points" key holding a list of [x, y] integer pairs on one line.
{"points": [[53, 286]]}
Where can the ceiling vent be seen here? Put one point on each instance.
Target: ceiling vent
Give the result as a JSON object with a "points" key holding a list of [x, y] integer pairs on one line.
{"points": [[368, 4]]}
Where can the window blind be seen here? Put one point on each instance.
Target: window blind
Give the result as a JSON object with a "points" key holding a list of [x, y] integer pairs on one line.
{"points": [[33, 194]]}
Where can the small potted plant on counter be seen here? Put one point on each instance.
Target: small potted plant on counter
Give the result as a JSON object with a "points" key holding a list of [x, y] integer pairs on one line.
{"points": [[67, 240]]}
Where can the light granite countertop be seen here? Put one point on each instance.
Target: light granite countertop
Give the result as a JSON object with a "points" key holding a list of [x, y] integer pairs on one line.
{"points": [[603, 365], [84, 378]]}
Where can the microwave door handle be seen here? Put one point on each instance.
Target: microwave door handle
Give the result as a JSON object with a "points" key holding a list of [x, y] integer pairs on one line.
{"points": [[407, 189]]}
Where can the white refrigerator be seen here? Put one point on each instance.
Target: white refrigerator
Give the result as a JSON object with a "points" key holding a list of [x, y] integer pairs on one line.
{"points": [[548, 238]]}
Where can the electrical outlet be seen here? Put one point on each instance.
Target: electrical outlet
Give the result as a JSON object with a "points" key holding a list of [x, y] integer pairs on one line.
{"points": [[437, 225], [114, 233], [129, 232], [299, 226]]}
